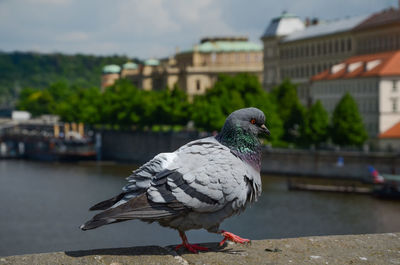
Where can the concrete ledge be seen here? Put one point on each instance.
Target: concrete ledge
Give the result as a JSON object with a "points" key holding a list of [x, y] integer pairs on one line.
{"points": [[349, 249]]}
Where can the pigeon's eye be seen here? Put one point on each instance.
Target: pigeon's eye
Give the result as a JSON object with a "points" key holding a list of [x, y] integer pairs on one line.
{"points": [[253, 121]]}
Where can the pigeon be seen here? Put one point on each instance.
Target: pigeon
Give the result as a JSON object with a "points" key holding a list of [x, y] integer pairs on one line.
{"points": [[197, 186]]}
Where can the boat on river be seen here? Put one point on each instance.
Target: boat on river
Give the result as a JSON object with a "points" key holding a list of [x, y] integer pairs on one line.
{"points": [[47, 139], [386, 186]]}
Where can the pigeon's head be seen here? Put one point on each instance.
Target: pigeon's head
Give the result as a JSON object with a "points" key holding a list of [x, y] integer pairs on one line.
{"points": [[250, 120]]}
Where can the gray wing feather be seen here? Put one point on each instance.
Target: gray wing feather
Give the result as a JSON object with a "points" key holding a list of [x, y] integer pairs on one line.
{"points": [[207, 177], [203, 175], [141, 179]]}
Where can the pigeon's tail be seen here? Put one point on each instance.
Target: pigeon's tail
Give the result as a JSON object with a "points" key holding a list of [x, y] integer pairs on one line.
{"points": [[92, 224], [107, 203], [136, 208]]}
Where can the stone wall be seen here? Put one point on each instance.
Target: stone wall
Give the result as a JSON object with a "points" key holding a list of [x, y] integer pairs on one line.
{"points": [[325, 163], [139, 147], [345, 249]]}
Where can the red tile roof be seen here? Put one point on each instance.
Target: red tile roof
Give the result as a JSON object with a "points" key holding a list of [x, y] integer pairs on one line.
{"points": [[393, 132], [385, 17], [389, 65]]}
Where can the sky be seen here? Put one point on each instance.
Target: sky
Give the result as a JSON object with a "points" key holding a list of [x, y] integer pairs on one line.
{"points": [[151, 28]]}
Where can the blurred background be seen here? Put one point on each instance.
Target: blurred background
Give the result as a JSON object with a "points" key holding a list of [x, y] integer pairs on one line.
{"points": [[90, 90]]}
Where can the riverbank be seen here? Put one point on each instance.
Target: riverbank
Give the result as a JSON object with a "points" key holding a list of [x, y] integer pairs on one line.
{"points": [[344, 249]]}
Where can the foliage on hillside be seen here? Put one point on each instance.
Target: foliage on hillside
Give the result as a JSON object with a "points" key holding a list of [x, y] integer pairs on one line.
{"points": [[19, 70]]}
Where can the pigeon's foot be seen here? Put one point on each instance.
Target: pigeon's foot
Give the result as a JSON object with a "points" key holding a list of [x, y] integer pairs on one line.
{"points": [[191, 247], [232, 237]]}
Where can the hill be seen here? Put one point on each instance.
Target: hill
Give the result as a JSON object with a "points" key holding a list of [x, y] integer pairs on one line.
{"points": [[19, 70]]}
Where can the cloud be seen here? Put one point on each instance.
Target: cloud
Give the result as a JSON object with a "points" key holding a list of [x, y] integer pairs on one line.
{"points": [[51, 2], [143, 17], [151, 27], [75, 36]]}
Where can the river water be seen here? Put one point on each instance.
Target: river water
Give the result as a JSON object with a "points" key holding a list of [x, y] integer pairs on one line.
{"points": [[43, 204]]}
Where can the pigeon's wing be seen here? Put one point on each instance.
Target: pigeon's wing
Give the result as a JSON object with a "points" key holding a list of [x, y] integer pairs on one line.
{"points": [[139, 181], [205, 178]]}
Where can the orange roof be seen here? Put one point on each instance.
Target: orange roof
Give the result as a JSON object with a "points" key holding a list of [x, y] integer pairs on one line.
{"points": [[393, 132], [378, 64]]}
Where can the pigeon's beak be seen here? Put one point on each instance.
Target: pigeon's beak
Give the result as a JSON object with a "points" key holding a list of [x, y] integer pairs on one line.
{"points": [[265, 130]]}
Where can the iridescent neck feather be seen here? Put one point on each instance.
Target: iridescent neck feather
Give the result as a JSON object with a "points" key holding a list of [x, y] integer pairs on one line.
{"points": [[242, 143]]}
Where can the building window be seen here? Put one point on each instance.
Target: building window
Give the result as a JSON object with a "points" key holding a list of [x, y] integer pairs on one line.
{"points": [[394, 87], [336, 46], [232, 58], [213, 57], [237, 56], [198, 85], [349, 45], [342, 45], [270, 52], [394, 105]]}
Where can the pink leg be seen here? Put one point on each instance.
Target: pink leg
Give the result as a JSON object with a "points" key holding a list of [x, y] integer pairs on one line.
{"points": [[191, 247], [232, 237]]}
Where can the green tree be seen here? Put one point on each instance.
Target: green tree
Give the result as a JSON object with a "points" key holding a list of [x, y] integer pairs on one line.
{"points": [[36, 101], [316, 125], [232, 93], [294, 124], [347, 125], [123, 104], [84, 105], [290, 110], [60, 90], [172, 107]]}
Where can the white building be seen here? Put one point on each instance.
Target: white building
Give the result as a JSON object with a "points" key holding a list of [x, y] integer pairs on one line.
{"points": [[373, 80]]}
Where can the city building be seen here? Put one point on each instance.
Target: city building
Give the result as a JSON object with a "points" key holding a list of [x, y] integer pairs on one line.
{"points": [[390, 139], [196, 69], [200, 66], [110, 75], [373, 80], [298, 50], [153, 74]]}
